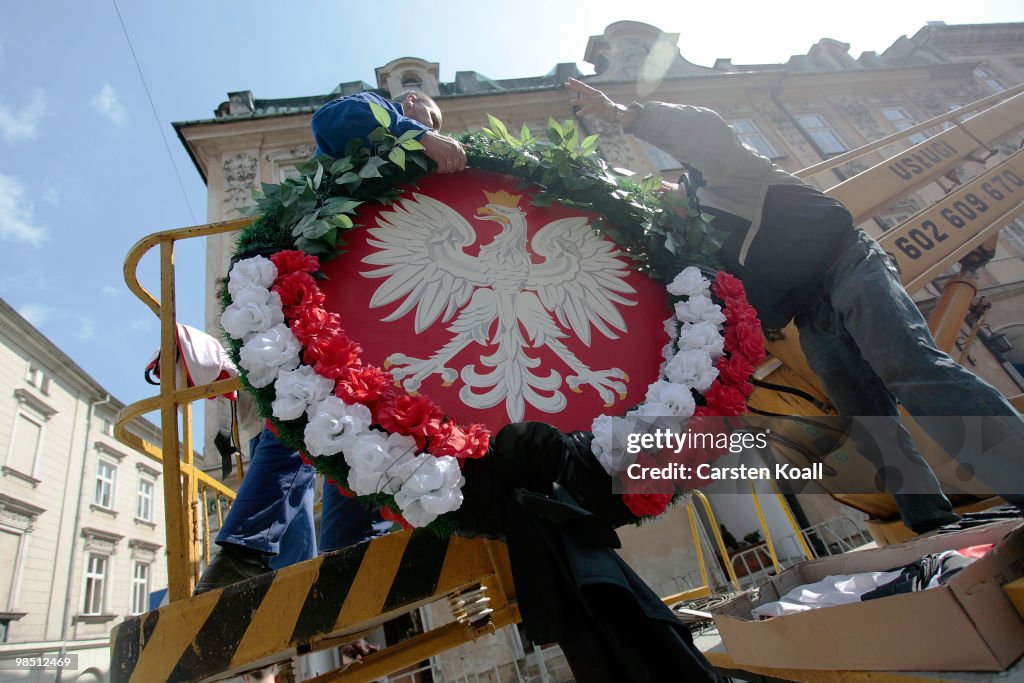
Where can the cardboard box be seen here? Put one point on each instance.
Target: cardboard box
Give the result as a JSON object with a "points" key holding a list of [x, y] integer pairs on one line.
{"points": [[969, 624]]}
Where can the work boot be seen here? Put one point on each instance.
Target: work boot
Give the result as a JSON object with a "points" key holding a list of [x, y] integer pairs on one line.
{"points": [[232, 564]]}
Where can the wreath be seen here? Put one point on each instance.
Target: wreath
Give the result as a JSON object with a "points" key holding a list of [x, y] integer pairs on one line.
{"points": [[382, 445]]}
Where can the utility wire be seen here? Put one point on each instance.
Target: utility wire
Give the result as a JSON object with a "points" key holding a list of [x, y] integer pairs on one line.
{"points": [[156, 116]]}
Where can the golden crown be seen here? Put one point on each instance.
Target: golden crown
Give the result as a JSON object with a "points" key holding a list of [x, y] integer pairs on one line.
{"points": [[503, 198]]}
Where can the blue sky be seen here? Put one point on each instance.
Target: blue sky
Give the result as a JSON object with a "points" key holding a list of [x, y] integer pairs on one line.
{"points": [[84, 172]]}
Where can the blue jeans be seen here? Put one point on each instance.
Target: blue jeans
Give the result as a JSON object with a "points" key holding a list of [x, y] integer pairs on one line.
{"points": [[273, 509], [870, 346]]}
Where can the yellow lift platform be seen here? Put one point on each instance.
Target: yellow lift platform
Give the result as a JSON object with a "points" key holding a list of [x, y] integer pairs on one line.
{"points": [[344, 595]]}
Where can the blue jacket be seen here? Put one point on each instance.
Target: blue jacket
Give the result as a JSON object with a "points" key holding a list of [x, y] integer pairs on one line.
{"points": [[350, 117]]}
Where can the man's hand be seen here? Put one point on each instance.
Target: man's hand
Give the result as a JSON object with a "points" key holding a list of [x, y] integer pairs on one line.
{"points": [[445, 152], [673, 197], [593, 102]]}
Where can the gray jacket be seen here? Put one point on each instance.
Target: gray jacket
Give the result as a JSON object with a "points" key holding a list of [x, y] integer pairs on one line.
{"points": [[737, 178], [783, 234]]}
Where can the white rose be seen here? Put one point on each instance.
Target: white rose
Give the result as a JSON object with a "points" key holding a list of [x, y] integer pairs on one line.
{"points": [[297, 389], [269, 352], [692, 368], [671, 328], [253, 309], [675, 397], [334, 425], [701, 337], [689, 282], [699, 308], [376, 461], [257, 271], [431, 487], [610, 441]]}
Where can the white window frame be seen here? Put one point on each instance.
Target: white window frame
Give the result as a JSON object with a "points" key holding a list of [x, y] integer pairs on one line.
{"points": [[1013, 233], [660, 159], [986, 75], [754, 137], [90, 576], [140, 587], [39, 422], [824, 134], [36, 377], [903, 120], [101, 480], [14, 590], [144, 512]]}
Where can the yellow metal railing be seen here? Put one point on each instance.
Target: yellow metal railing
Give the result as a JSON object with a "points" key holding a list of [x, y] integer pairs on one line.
{"points": [[187, 537]]}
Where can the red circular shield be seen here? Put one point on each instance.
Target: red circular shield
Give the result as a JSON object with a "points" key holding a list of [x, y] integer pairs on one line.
{"points": [[497, 310]]}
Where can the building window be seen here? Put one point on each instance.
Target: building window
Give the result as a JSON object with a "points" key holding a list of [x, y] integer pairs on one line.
{"points": [[24, 449], [1014, 235], [144, 506], [412, 80], [140, 587], [901, 120], [106, 483], [660, 159], [891, 220], [94, 596], [751, 136], [37, 378], [10, 550], [989, 78], [822, 133], [108, 426]]}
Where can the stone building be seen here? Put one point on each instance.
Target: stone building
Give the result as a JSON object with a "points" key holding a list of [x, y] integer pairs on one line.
{"points": [[812, 107], [81, 515]]}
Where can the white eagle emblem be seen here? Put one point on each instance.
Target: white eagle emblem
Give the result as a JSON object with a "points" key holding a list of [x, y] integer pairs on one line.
{"points": [[502, 299]]}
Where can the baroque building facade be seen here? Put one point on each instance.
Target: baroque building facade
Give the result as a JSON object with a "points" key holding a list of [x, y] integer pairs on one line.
{"points": [[812, 107], [81, 515]]}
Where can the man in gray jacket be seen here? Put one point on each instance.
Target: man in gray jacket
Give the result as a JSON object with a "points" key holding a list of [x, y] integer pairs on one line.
{"points": [[800, 258]]}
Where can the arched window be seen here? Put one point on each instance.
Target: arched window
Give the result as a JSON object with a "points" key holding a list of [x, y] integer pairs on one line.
{"points": [[411, 79]]}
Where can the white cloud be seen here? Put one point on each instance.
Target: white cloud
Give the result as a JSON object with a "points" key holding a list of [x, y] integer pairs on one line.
{"points": [[111, 290], [107, 103], [87, 330], [37, 314], [16, 221], [18, 126]]}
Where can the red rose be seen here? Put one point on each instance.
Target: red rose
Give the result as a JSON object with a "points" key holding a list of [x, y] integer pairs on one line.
{"points": [[298, 291], [448, 438], [734, 370], [727, 287], [409, 416], [740, 312], [725, 400], [362, 384], [311, 324], [392, 516], [748, 340], [647, 504], [293, 261], [331, 356]]}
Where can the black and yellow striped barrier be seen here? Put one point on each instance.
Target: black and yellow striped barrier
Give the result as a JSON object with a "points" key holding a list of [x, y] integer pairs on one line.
{"points": [[271, 617]]}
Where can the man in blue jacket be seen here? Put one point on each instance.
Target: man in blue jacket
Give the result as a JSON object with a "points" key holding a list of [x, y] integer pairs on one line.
{"points": [[270, 524], [345, 118]]}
